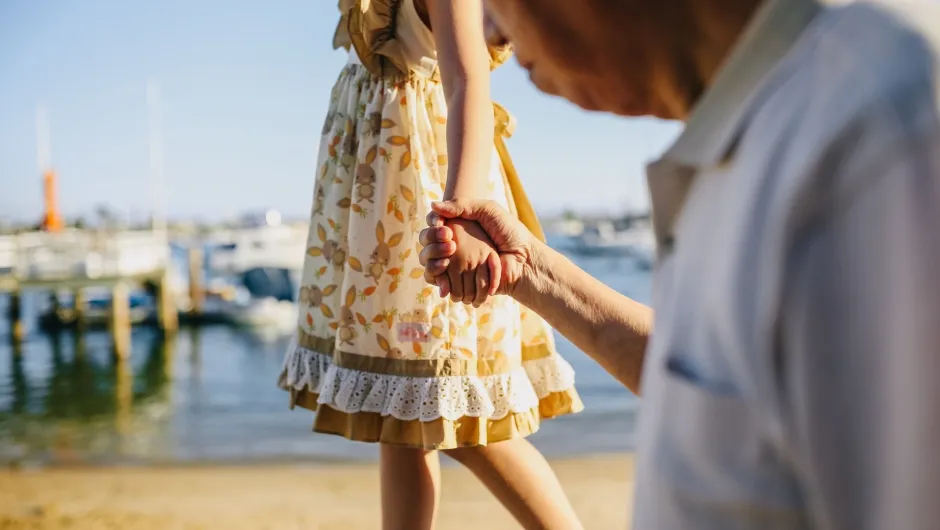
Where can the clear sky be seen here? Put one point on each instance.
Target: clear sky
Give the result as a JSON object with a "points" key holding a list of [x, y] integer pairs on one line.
{"points": [[244, 85]]}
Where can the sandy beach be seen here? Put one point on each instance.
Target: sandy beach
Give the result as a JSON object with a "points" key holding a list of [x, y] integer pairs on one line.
{"points": [[323, 497]]}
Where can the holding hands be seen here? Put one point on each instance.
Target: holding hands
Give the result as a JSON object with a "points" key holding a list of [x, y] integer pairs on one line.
{"points": [[474, 249]]}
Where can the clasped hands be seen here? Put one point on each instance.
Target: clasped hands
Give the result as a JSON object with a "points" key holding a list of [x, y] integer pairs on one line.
{"points": [[474, 249]]}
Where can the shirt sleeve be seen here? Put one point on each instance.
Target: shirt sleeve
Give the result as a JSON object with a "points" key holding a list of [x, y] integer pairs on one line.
{"points": [[860, 343]]}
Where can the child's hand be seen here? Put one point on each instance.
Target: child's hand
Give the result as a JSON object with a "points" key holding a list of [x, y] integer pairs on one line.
{"points": [[513, 241], [474, 270]]}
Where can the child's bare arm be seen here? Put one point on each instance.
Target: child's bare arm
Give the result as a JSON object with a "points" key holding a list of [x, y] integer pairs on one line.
{"points": [[465, 72]]}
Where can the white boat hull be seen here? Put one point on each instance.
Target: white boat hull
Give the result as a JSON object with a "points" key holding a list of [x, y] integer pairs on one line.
{"points": [[266, 313]]}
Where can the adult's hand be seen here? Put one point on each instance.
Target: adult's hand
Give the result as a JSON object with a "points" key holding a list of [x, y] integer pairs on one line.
{"points": [[603, 323], [512, 240], [606, 325]]}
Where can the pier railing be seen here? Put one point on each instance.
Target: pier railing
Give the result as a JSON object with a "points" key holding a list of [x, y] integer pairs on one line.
{"points": [[80, 257]]}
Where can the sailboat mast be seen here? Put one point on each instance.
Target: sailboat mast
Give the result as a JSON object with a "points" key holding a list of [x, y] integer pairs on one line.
{"points": [[43, 156], [157, 178]]}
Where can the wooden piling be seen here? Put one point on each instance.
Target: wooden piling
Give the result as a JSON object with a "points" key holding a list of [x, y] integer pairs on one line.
{"points": [[56, 307], [79, 347], [167, 315], [168, 351], [197, 293], [17, 347], [123, 401], [195, 357], [120, 321], [17, 326], [78, 308]]}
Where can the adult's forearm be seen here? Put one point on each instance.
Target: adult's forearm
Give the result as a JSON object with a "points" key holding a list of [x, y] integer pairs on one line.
{"points": [[608, 326]]}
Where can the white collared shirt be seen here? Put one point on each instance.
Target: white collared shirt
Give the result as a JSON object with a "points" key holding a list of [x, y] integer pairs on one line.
{"points": [[792, 377]]}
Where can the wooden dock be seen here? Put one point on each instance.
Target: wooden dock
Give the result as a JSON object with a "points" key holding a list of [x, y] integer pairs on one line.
{"points": [[76, 260]]}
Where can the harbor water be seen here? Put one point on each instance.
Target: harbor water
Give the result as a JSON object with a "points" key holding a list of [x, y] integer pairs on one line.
{"points": [[208, 394]]}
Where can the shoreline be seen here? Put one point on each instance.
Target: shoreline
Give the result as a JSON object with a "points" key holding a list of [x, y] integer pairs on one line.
{"points": [[287, 461], [254, 495]]}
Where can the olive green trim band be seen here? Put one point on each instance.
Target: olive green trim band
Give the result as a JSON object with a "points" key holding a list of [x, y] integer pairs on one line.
{"points": [[417, 367]]}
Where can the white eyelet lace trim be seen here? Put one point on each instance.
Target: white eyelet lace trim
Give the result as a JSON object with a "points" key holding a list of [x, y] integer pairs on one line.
{"points": [[303, 370], [425, 398], [549, 375]]}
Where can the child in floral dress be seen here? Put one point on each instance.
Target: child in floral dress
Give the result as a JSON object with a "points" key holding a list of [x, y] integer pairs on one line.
{"points": [[379, 355]]}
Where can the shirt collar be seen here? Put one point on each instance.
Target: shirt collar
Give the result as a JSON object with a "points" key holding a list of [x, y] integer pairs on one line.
{"points": [[712, 128]]}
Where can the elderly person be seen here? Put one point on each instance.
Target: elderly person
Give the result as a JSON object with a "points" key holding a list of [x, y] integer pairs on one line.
{"points": [[789, 379]]}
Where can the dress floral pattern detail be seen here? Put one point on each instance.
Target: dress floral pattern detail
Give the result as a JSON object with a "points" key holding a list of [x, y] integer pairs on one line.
{"points": [[378, 353]]}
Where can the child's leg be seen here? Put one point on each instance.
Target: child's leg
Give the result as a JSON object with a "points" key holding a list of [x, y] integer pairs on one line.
{"points": [[520, 477], [411, 487]]}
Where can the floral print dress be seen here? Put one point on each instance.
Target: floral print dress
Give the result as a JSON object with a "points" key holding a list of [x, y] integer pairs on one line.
{"points": [[379, 355]]}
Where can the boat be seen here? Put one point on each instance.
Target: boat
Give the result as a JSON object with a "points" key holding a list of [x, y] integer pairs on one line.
{"points": [[260, 298], [260, 240], [602, 239], [253, 273]]}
